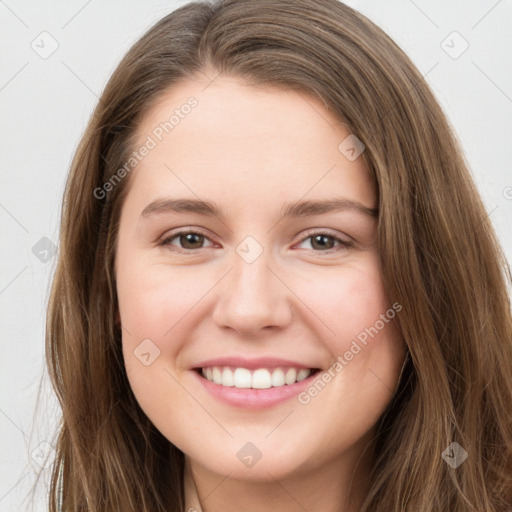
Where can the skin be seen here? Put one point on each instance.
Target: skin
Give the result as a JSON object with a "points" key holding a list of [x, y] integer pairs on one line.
{"points": [[251, 150]]}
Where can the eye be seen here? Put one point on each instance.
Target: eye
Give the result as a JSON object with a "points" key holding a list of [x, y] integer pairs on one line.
{"points": [[320, 241], [190, 240]]}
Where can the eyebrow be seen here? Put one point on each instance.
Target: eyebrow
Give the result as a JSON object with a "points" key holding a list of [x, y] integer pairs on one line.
{"points": [[295, 209]]}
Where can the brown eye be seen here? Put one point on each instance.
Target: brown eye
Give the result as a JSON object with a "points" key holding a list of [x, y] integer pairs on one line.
{"points": [[187, 241], [324, 242], [191, 240]]}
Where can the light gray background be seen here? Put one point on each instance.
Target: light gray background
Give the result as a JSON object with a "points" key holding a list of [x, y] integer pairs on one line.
{"points": [[46, 103]]}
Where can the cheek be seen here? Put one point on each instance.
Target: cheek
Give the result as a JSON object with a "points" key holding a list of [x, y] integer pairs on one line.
{"points": [[349, 304], [155, 306], [150, 311], [152, 301], [366, 347]]}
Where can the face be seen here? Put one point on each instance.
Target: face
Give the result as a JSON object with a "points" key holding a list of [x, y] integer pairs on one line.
{"points": [[257, 335]]}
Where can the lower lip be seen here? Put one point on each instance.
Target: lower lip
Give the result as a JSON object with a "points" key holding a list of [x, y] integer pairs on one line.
{"points": [[249, 398]]}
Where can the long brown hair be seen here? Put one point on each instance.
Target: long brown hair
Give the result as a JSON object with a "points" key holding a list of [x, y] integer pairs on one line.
{"points": [[440, 260]]}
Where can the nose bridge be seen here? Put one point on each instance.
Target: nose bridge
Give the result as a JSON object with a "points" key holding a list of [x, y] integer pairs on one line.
{"points": [[252, 297]]}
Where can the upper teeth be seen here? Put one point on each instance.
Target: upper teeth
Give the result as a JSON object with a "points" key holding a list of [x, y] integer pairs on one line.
{"points": [[262, 378]]}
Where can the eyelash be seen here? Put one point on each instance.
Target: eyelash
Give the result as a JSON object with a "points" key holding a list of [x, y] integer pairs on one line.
{"points": [[166, 242]]}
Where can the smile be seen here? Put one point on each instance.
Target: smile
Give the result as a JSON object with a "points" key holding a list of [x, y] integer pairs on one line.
{"points": [[261, 378]]}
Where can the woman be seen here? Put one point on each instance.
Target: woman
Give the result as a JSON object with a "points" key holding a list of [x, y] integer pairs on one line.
{"points": [[277, 286]]}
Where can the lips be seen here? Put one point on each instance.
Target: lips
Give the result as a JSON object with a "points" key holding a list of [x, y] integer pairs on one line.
{"points": [[253, 384]]}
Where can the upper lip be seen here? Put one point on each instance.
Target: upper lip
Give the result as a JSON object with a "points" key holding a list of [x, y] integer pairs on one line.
{"points": [[251, 364]]}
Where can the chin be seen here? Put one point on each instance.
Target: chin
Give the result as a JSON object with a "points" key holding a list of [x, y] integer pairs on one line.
{"points": [[255, 462]]}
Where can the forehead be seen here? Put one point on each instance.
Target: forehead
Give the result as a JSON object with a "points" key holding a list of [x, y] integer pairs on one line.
{"points": [[240, 143]]}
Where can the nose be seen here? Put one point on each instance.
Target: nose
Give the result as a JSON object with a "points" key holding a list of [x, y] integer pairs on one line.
{"points": [[253, 298]]}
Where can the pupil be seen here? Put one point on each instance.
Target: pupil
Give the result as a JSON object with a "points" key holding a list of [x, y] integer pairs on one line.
{"points": [[191, 238], [321, 240]]}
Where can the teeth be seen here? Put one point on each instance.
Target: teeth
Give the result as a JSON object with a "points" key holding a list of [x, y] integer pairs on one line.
{"points": [[277, 377], [242, 378], [302, 374], [291, 376], [228, 379], [217, 376], [262, 378]]}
